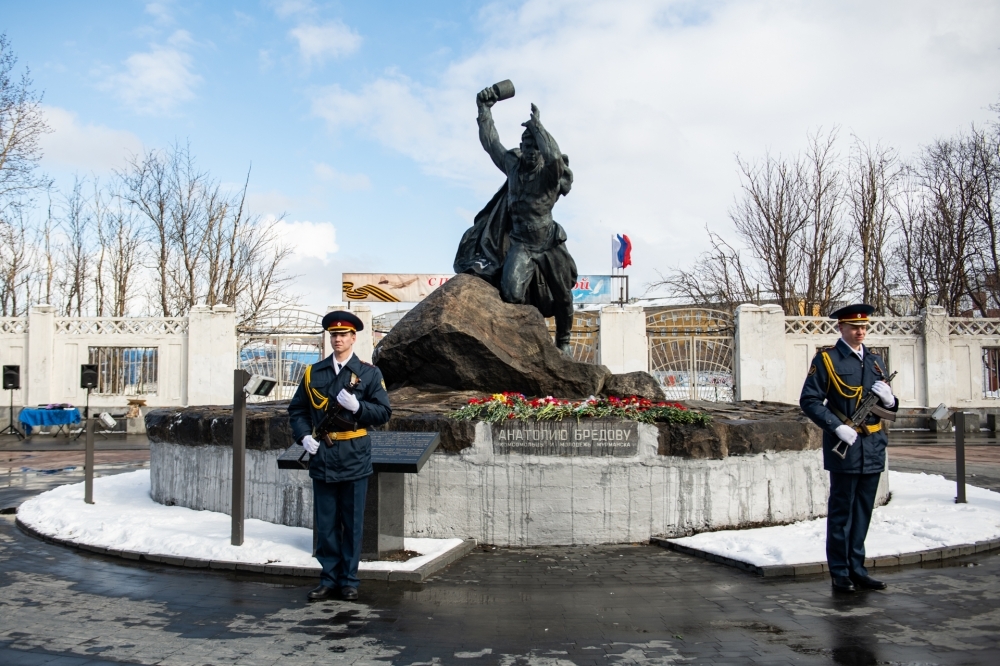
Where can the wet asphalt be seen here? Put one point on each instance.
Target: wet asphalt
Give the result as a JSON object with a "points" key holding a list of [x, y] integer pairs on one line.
{"points": [[554, 606]]}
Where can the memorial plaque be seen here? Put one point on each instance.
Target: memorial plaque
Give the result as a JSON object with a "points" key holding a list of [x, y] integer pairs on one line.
{"points": [[294, 457], [588, 437], [400, 452]]}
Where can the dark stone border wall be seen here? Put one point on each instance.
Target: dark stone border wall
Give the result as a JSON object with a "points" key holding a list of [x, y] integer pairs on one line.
{"points": [[741, 429]]}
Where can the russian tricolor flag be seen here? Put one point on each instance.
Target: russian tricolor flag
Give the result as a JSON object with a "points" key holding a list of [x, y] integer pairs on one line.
{"points": [[621, 251]]}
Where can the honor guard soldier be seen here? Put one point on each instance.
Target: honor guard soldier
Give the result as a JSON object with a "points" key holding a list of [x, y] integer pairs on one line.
{"points": [[337, 399], [839, 378]]}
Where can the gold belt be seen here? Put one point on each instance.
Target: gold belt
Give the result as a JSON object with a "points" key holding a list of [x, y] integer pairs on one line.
{"points": [[872, 428], [348, 434]]}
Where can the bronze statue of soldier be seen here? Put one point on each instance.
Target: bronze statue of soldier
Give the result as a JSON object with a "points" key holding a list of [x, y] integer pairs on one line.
{"points": [[514, 243]]}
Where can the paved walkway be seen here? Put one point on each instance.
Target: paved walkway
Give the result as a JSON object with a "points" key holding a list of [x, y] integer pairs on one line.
{"points": [[606, 605]]}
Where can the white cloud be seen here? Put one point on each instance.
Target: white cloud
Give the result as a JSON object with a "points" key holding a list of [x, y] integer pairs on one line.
{"points": [[652, 99], [286, 8], [160, 11], [85, 146], [320, 42], [157, 81], [345, 181], [271, 202], [310, 240]]}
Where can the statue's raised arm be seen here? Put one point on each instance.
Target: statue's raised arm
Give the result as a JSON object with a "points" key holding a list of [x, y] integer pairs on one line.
{"points": [[488, 136]]}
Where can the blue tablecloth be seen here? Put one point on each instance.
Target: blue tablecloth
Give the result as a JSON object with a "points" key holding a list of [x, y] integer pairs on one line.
{"points": [[47, 417]]}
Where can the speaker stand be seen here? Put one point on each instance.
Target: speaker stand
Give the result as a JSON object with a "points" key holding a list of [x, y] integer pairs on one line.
{"points": [[10, 429], [86, 417]]}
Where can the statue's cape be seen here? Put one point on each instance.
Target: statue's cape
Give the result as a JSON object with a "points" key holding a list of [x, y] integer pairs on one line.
{"points": [[484, 245]]}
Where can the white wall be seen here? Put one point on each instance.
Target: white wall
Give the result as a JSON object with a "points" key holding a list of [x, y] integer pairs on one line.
{"points": [[196, 355], [939, 358]]}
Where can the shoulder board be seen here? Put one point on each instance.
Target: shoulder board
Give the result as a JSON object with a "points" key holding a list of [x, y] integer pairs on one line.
{"points": [[820, 350]]}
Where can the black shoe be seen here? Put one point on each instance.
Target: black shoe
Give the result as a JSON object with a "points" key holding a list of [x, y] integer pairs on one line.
{"points": [[349, 593], [842, 584], [868, 583], [322, 593]]}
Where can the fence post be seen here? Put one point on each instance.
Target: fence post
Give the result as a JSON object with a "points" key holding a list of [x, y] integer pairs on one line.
{"points": [[939, 369], [621, 340], [211, 354], [960, 456], [759, 353], [41, 348]]}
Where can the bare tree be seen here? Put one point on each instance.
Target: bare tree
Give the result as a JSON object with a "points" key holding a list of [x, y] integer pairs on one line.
{"points": [[21, 127], [75, 253], [873, 175], [146, 186], [824, 246], [16, 263]]}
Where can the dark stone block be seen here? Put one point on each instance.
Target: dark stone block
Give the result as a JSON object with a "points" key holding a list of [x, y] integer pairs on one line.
{"points": [[641, 384], [464, 337], [741, 429]]}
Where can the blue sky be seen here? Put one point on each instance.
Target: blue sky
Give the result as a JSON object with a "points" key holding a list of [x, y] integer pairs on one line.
{"points": [[359, 118]]}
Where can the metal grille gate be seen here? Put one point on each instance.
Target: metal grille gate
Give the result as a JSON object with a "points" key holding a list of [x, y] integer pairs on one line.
{"points": [[691, 353], [281, 344]]}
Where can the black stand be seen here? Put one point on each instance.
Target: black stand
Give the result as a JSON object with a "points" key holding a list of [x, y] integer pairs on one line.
{"points": [[86, 417], [10, 429]]}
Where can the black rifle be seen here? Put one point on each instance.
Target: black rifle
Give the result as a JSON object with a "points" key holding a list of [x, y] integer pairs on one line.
{"points": [[337, 419], [868, 405]]}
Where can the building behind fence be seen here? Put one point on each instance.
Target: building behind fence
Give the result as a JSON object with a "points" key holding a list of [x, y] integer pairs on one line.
{"points": [[756, 353]]}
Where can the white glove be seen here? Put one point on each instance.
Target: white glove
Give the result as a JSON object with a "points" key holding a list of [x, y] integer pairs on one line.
{"points": [[348, 401], [884, 393], [846, 433], [310, 444]]}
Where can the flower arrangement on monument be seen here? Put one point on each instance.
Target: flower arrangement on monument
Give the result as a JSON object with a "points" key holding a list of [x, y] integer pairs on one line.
{"points": [[508, 406]]}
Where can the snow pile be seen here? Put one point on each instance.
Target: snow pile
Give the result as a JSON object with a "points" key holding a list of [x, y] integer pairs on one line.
{"points": [[921, 515], [124, 517]]}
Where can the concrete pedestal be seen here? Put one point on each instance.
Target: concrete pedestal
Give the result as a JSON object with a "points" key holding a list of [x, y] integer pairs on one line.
{"points": [[383, 516]]}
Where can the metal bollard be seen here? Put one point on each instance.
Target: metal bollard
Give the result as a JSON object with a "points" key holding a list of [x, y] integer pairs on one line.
{"points": [[960, 456], [240, 378], [88, 464]]}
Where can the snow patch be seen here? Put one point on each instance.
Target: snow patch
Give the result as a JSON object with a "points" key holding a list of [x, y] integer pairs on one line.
{"points": [[124, 517], [921, 515]]}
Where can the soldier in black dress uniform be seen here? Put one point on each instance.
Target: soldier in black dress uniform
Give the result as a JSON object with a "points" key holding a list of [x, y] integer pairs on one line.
{"points": [[838, 378], [341, 461]]}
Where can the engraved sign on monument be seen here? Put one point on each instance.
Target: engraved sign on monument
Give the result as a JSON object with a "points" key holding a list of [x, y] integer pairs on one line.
{"points": [[590, 437]]}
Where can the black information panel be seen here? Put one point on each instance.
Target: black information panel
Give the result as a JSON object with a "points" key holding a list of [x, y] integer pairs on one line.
{"points": [[399, 452], [402, 451]]}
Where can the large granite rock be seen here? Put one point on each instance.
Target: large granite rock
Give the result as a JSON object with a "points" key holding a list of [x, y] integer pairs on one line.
{"points": [[463, 336]]}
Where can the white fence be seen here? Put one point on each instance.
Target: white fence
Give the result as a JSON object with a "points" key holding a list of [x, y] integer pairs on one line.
{"points": [[940, 359], [169, 361]]}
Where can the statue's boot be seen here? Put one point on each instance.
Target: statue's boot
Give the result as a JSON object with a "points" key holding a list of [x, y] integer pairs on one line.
{"points": [[564, 326]]}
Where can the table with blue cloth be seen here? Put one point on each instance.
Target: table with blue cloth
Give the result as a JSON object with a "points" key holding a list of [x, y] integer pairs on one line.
{"points": [[31, 418]]}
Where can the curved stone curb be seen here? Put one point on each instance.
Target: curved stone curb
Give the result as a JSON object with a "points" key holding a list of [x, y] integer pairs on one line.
{"points": [[416, 576], [811, 568]]}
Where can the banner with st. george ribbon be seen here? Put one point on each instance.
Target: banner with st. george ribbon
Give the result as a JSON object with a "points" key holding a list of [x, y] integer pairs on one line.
{"points": [[414, 287]]}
